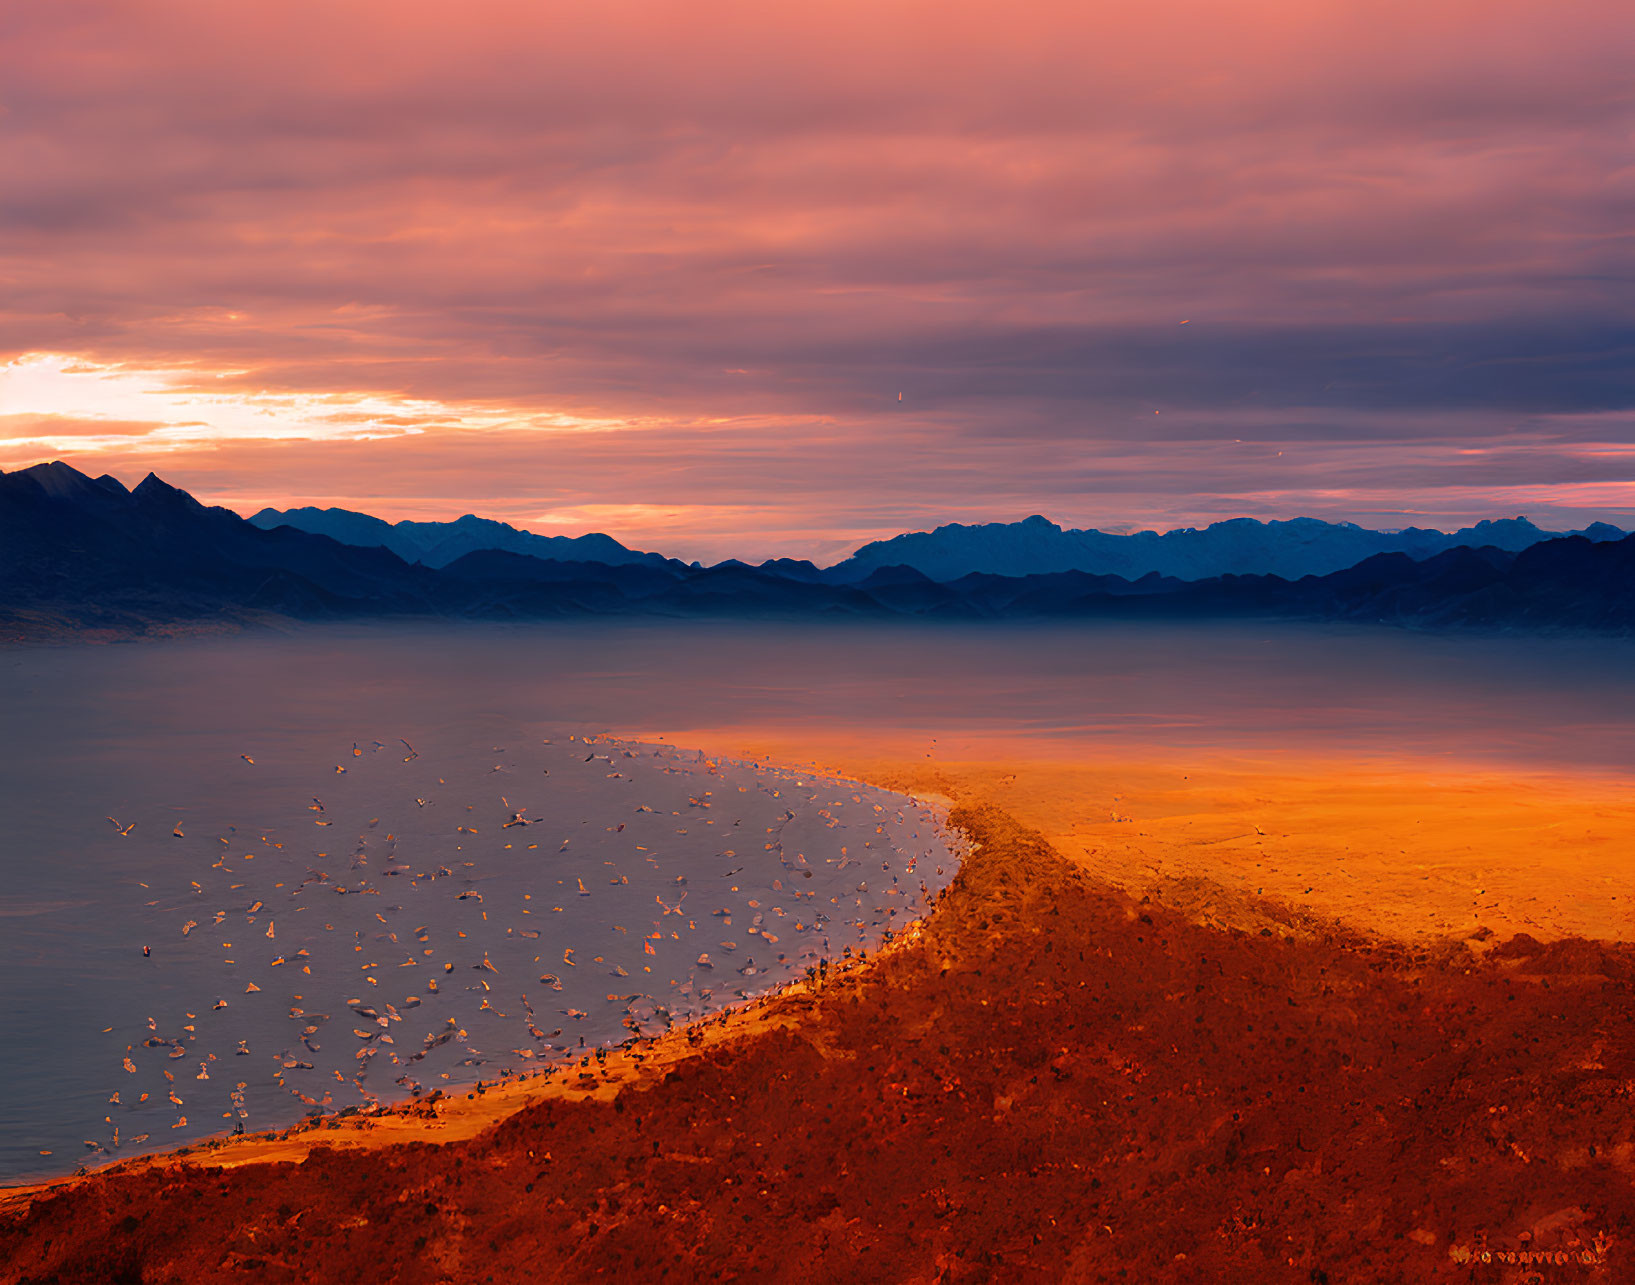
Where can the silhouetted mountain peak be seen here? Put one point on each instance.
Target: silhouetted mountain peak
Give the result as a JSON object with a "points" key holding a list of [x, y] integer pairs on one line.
{"points": [[794, 569], [65, 482], [895, 575], [154, 488]]}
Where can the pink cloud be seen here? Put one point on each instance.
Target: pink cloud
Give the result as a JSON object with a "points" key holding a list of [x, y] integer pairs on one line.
{"points": [[806, 489], [1389, 225]]}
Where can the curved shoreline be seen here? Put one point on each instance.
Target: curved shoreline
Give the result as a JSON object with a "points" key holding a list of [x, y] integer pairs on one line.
{"points": [[466, 1110], [462, 1109], [1025, 1046], [1408, 850], [926, 817]]}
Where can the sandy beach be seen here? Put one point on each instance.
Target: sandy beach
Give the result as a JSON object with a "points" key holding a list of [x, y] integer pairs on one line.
{"points": [[1198, 1020], [1403, 850]]}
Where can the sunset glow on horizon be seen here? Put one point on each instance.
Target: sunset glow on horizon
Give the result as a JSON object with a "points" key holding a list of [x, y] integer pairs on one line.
{"points": [[730, 280]]}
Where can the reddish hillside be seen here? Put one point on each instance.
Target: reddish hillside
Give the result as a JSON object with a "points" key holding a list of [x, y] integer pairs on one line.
{"points": [[1053, 1082]]}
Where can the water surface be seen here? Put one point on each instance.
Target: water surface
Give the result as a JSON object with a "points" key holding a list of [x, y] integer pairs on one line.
{"points": [[147, 788]]}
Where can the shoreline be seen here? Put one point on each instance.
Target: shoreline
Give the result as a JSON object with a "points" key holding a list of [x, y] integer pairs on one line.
{"points": [[466, 1110], [1406, 850], [463, 1110], [1063, 1106]]}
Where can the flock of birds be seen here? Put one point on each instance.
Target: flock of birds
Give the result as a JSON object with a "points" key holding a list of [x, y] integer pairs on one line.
{"points": [[416, 930]]}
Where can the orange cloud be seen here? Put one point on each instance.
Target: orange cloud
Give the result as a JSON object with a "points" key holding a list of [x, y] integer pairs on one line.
{"points": [[1387, 225]]}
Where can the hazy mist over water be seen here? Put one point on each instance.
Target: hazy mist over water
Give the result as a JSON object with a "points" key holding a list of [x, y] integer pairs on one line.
{"points": [[156, 734], [1534, 701]]}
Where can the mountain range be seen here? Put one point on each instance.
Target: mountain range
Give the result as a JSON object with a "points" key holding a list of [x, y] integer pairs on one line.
{"points": [[436, 544], [1034, 546], [1240, 546], [80, 553]]}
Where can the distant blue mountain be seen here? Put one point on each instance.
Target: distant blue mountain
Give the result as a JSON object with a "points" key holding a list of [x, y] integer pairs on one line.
{"points": [[1242, 546], [436, 544], [1036, 546], [78, 554]]}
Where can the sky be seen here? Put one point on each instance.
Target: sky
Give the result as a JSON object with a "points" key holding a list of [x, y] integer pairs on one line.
{"points": [[748, 279]]}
